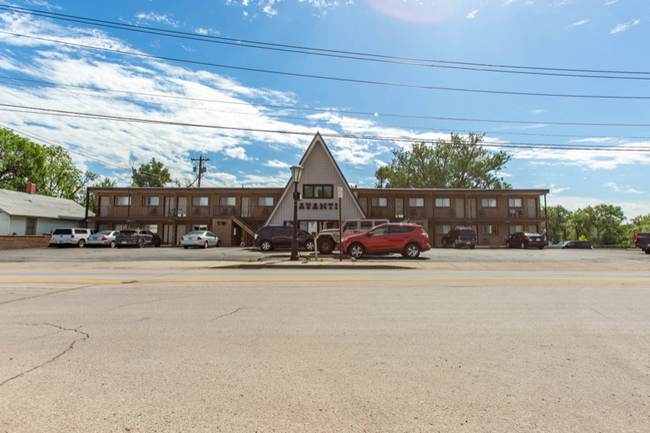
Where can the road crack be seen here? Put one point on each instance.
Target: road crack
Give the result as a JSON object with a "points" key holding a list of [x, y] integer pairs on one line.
{"points": [[70, 347], [227, 314], [45, 294]]}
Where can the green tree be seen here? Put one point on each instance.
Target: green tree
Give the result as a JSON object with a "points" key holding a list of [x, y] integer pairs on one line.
{"points": [[578, 222], [21, 161], [151, 175], [605, 218], [458, 163], [61, 178], [559, 220]]}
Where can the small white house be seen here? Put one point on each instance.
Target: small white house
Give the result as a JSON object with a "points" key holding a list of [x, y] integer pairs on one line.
{"points": [[26, 213]]}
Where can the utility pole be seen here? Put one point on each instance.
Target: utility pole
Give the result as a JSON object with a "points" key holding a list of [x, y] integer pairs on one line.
{"points": [[201, 169]]}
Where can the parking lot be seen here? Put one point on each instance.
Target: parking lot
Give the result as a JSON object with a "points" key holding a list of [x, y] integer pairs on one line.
{"points": [[235, 254]]}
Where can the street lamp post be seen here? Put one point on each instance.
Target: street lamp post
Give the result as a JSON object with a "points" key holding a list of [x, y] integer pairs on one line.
{"points": [[296, 174]]}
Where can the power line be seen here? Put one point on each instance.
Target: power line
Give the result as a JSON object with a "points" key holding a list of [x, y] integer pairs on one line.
{"points": [[324, 110], [329, 78], [470, 66], [59, 113]]}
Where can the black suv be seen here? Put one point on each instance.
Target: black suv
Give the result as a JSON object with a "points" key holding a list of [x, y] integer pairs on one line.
{"points": [[270, 237], [137, 238], [460, 237], [525, 240]]}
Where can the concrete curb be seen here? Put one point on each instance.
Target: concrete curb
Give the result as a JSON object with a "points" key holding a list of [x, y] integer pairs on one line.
{"points": [[311, 265]]}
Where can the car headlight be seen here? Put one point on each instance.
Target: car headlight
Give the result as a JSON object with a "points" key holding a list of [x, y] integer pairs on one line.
{"points": [[344, 239]]}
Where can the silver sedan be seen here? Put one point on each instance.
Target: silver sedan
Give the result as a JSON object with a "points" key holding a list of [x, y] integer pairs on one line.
{"points": [[104, 238], [200, 239]]}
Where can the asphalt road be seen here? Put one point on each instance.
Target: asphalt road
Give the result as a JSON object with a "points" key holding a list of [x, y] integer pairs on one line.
{"points": [[221, 350], [548, 255]]}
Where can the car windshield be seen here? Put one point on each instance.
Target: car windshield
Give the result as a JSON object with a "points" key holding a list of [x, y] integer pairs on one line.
{"points": [[62, 232]]}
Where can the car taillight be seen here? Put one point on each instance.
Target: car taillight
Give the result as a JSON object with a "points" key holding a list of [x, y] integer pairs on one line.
{"points": [[72, 236], [255, 235], [104, 238], [183, 238], [134, 234], [636, 238], [528, 239], [198, 238], [458, 237]]}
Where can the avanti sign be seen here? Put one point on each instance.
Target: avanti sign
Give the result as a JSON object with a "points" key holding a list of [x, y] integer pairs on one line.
{"points": [[319, 206]]}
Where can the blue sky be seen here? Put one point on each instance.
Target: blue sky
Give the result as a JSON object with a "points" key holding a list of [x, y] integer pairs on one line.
{"points": [[577, 34]]}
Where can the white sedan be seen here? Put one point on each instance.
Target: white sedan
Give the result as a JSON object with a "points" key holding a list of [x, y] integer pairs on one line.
{"points": [[200, 239]]}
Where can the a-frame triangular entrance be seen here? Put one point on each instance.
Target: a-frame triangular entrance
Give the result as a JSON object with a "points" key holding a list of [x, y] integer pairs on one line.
{"points": [[320, 170]]}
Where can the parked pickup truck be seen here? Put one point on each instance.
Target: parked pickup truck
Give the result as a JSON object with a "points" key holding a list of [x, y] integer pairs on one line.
{"points": [[642, 240], [328, 239]]}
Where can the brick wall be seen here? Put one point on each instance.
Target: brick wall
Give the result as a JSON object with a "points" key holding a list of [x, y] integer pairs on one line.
{"points": [[16, 242]]}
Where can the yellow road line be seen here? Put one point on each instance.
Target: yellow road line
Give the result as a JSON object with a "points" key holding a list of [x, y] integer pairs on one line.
{"points": [[317, 280]]}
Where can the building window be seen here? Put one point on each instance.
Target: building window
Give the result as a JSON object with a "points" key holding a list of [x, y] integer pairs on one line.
{"points": [[265, 201], [30, 226], [150, 201], [120, 227], [122, 201], [318, 191], [416, 202], [153, 228], [490, 230], [228, 201], [199, 201], [516, 228], [379, 202], [514, 202], [442, 229], [489, 202], [443, 202]]}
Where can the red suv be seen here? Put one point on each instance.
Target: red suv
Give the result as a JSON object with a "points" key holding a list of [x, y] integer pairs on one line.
{"points": [[407, 239]]}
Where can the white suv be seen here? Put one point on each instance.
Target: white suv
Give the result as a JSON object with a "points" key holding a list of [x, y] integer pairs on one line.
{"points": [[70, 236]]}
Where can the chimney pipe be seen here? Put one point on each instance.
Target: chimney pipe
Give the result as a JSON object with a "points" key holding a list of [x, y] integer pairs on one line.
{"points": [[31, 188]]}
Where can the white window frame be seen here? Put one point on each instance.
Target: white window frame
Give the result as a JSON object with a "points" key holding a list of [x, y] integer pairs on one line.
{"points": [[119, 198], [379, 201], [225, 201], [489, 202], [416, 202], [444, 229], [203, 201], [443, 202], [153, 228], [490, 231], [512, 202], [265, 201], [150, 201], [513, 228], [120, 227]]}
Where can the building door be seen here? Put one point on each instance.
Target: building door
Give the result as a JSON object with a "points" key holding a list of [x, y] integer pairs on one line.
{"points": [[182, 208], [245, 207], [104, 202], [472, 207], [460, 208], [532, 211], [363, 202], [168, 234], [180, 232], [169, 207], [399, 208]]}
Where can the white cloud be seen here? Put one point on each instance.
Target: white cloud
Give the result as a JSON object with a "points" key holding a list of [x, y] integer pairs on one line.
{"points": [[203, 31], [625, 189], [579, 23], [507, 2], [623, 27], [472, 14], [42, 3], [540, 111], [151, 16], [276, 164], [554, 190], [610, 2]]}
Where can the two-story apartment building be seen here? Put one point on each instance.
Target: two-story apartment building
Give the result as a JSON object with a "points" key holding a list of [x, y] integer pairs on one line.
{"points": [[234, 214]]}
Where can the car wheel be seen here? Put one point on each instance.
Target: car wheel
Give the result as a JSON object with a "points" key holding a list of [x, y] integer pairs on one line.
{"points": [[523, 245], [218, 244], [81, 243], [356, 251], [647, 251], [325, 246], [508, 245], [412, 251], [206, 246], [309, 245], [266, 245], [112, 244], [141, 243]]}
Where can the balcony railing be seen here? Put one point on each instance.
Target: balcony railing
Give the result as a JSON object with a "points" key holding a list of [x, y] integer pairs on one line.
{"points": [[242, 211]]}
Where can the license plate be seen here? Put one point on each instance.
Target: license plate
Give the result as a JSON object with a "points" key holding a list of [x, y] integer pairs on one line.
{"points": [[59, 242], [124, 242]]}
